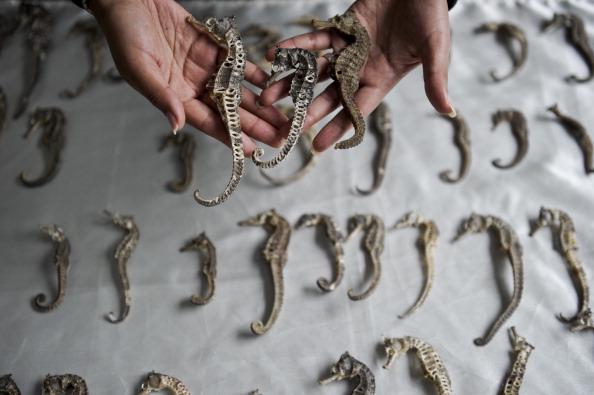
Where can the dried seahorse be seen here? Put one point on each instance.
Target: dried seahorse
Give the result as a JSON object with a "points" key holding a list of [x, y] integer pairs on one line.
{"points": [[519, 129], [335, 237], [566, 238], [510, 245], [275, 254], [427, 242], [8, 386], [122, 254], [226, 91], [504, 32], [522, 350], [41, 24], [95, 42], [187, 146], [382, 125], [268, 35], [578, 132], [373, 243], [209, 266], [301, 92], [577, 36], [61, 261], [158, 381], [348, 368], [431, 363], [54, 124], [63, 384], [307, 138], [462, 141], [344, 68]]}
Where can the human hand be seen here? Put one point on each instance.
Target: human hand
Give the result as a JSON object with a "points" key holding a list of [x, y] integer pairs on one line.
{"points": [[404, 34], [170, 61]]}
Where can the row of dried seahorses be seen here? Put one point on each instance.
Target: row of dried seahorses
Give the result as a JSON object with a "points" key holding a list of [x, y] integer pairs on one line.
{"points": [[275, 255], [347, 367]]}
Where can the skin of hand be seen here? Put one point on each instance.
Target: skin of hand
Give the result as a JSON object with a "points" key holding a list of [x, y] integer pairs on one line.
{"points": [[404, 34], [170, 61]]}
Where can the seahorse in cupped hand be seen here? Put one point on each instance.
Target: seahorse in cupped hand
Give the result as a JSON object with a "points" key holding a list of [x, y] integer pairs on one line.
{"points": [[431, 364], [345, 66], [510, 245], [226, 91], [122, 254], [275, 254], [301, 91], [62, 263]]}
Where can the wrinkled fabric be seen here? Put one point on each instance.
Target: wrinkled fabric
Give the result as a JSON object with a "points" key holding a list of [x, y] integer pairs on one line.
{"points": [[111, 160]]}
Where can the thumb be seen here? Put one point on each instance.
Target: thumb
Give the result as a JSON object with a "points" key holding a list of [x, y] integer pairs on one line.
{"points": [[435, 60]]}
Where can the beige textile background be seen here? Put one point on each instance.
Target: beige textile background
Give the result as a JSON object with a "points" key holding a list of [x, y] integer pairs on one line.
{"points": [[111, 161]]}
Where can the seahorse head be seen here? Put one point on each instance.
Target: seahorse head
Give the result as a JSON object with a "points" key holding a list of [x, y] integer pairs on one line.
{"points": [[346, 22], [6, 383], [54, 231], [151, 383], [344, 368], [394, 347], [219, 27], [51, 385]]}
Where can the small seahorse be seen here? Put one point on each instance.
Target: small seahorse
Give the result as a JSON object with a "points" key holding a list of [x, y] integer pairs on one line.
{"points": [[462, 141], [275, 254], [428, 240], [510, 245], [122, 254], [522, 349], [8, 386], [61, 262], [53, 122], [577, 36], [335, 237], [504, 32], [226, 91], [566, 238], [373, 243], [63, 384], [578, 132], [382, 125], [301, 92], [267, 35], [519, 129], [40, 24], [187, 146], [95, 42], [431, 364], [348, 368], [158, 381], [209, 266], [344, 68]]}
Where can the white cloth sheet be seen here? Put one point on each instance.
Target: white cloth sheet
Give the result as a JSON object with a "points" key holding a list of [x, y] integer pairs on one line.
{"points": [[111, 161]]}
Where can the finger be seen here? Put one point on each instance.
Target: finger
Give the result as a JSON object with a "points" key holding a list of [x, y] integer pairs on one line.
{"points": [[255, 75], [367, 99], [260, 130], [435, 60], [269, 114], [313, 41]]}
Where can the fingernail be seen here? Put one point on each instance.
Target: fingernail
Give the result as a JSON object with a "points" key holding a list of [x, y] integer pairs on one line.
{"points": [[172, 121], [452, 113], [314, 152]]}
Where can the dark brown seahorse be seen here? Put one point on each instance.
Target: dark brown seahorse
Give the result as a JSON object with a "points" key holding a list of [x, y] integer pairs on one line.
{"points": [[510, 245], [40, 23], [519, 129], [53, 122], [503, 33], [578, 37], [345, 66], [187, 146], [64, 384], [61, 261], [209, 266], [348, 368], [578, 132], [95, 42], [226, 91], [275, 254]]}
